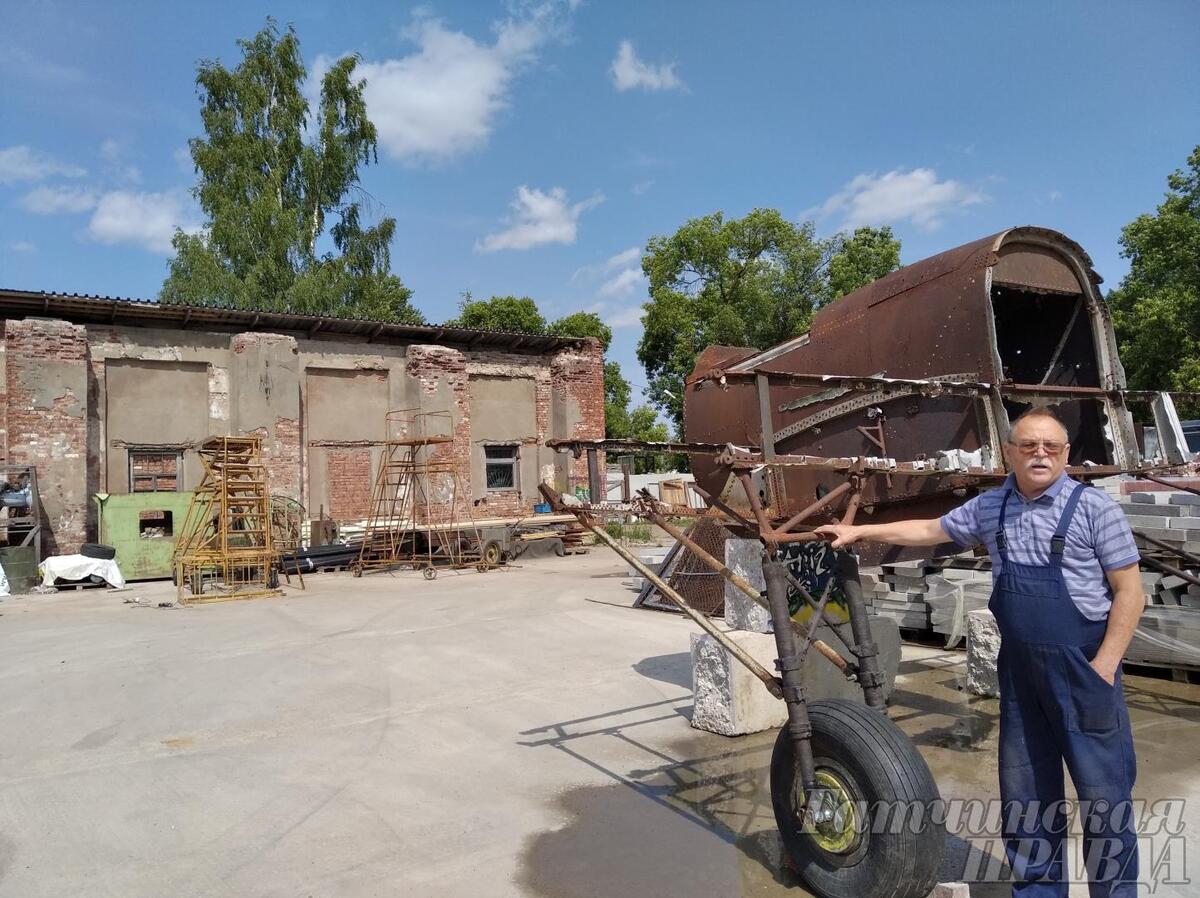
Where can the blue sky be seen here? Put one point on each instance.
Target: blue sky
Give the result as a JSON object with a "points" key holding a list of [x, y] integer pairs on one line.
{"points": [[532, 148]]}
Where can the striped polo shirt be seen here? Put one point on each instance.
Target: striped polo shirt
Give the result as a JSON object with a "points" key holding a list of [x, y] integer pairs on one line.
{"points": [[1098, 540]]}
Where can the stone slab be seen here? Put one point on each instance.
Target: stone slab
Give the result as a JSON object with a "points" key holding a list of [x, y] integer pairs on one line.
{"points": [[744, 558], [730, 701], [1184, 523], [983, 648], [1183, 499]]}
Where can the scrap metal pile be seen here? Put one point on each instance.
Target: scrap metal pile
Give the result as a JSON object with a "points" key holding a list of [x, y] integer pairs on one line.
{"points": [[895, 405]]}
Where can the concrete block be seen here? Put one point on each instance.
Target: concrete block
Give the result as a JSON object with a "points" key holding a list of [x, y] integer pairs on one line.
{"points": [[1146, 522], [1183, 499], [730, 701], [744, 558], [1143, 498], [1168, 596], [1173, 582], [1166, 535], [983, 648], [1183, 523], [1151, 579]]}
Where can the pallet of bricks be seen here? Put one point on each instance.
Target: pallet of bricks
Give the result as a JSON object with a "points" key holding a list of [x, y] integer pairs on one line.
{"points": [[1169, 631]]}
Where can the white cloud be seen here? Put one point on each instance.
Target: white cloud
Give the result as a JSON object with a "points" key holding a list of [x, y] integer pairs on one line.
{"points": [[20, 163], [629, 72], [58, 200], [590, 274], [539, 218], [630, 317], [625, 257], [22, 246], [442, 100], [1054, 196], [916, 196], [641, 187], [147, 220], [624, 283]]}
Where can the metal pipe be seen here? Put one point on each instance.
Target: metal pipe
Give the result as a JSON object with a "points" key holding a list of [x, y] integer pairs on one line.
{"points": [[865, 649], [791, 673], [1174, 571], [1174, 486], [1174, 550], [832, 496], [768, 679], [725, 509], [766, 532], [744, 586]]}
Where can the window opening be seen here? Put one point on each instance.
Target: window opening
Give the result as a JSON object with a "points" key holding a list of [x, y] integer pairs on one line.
{"points": [[154, 471], [500, 467]]}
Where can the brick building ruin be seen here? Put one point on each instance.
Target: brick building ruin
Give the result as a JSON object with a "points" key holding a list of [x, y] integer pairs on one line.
{"points": [[111, 395]]}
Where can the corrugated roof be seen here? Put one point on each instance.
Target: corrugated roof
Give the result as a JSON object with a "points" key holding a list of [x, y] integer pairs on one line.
{"points": [[94, 309]]}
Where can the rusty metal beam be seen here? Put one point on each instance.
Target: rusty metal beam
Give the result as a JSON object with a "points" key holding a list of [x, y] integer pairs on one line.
{"points": [[744, 586], [1171, 569], [768, 679], [1174, 486], [934, 387]]}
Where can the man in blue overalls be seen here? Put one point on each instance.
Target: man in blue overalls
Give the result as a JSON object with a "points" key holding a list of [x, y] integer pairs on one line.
{"points": [[1067, 596]]}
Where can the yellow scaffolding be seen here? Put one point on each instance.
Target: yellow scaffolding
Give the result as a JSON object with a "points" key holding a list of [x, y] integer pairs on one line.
{"points": [[225, 549]]}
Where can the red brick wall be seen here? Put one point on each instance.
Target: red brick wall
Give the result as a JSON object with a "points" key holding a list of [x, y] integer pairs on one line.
{"points": [[46, 372], [442, 373], [580, 374], [350, 477]]}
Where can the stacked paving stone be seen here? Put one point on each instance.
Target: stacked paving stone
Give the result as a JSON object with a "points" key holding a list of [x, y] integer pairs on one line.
{"points": [[924, 596], [1169, 631], [900, 589]]}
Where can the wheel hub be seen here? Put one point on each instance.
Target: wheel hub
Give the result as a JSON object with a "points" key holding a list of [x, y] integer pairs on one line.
{"points": [[832, 816]]}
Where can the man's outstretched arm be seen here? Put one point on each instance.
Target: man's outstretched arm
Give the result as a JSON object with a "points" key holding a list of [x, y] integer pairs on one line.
{"points": [[897, 533]]}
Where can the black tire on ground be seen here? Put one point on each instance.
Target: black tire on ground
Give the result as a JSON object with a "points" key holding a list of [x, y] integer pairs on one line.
{"points": [[98, 550], [491, 554], [429, 573], [865, 753]]}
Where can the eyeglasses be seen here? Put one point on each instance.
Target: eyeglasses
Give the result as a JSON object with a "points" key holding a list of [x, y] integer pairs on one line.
{"points": [[1030, 447]]}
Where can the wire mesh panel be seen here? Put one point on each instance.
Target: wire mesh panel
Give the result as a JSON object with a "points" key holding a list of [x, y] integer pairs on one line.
{"points": [[702, 587]]}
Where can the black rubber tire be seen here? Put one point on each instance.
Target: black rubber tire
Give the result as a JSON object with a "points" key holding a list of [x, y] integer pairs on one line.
{"points": [[883, 769], [491, 554], [429, 573], [98, 550]]}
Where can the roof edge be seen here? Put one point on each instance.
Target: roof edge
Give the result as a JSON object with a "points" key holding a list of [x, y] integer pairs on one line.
{"points": [[90, 309]]}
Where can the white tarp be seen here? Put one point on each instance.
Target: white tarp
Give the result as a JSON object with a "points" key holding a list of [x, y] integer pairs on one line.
{"points": [[80, 567]]}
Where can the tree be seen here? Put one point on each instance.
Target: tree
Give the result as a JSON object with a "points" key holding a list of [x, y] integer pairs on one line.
{"points": [[1156, 308], [582, 324], [753, 281], [268, 192], [500, 313], [865, 257]]}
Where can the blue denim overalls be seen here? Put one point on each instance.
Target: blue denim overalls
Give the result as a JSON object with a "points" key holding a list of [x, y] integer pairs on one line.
{"points": [[1055, 707]]}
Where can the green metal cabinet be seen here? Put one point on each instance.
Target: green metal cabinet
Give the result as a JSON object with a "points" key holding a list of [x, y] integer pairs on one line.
{"points": [[142, 527]]}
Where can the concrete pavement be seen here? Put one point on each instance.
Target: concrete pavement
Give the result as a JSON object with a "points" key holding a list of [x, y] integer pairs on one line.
{"points": [[520, 732]]}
